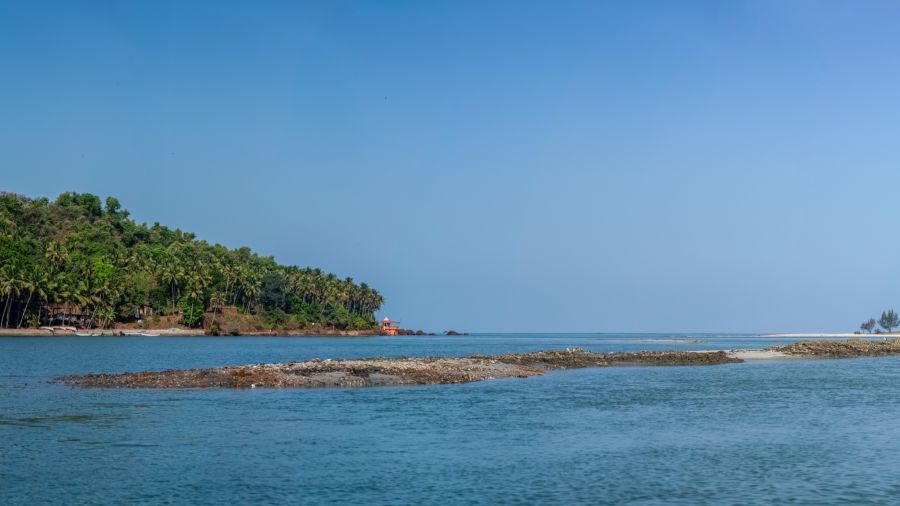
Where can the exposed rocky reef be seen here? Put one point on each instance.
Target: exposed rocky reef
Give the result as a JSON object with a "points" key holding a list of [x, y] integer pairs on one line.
{"points": [[442, 370], [841, 349], [392, 371]]}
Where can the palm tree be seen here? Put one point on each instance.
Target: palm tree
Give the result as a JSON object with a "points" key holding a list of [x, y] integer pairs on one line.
{"points": [[194, 290], [30, 284], [7, 288], [229, 275], [216, 300], [75, 295], [56, 253], [252, 291], [105, 314], [172, 275], [16, 286], [41, 288]]}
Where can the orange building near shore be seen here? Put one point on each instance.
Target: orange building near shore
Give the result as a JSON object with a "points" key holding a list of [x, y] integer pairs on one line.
{"points": [[388, 328]]}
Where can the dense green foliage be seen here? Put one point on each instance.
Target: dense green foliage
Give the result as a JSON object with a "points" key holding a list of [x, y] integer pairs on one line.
{"points": [[89, 256]]}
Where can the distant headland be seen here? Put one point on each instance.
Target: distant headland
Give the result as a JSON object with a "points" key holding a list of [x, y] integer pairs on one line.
{"points": [[81, 263]]}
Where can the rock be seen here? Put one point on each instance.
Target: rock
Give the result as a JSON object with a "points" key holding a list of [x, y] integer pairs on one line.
{"points": [[451, 333], [420, 333], [842, 349], [318, 373]]}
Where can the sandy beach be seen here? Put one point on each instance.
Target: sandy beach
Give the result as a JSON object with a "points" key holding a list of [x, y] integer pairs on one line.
{"points": [[767, 354]]}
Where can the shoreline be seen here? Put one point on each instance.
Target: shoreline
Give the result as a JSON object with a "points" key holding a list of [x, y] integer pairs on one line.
{"points": [[181, 332], [811, 335], [188, 332]]}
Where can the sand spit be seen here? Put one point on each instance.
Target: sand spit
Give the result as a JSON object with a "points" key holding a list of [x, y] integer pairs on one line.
{"points": [[769, 354], [392, 371]]}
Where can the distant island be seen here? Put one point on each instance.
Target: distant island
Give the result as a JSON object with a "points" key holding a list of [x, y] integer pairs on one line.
{"points": [[77, 262]]}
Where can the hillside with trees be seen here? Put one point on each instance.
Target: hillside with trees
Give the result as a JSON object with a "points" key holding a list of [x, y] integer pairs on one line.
{"points": [[80, 261]]}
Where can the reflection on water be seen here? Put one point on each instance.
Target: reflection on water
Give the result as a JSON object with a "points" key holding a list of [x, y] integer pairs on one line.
{"points": [[813, 432]]}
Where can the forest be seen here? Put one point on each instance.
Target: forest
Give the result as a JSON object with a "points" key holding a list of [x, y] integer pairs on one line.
{"points": [[82, 261]]}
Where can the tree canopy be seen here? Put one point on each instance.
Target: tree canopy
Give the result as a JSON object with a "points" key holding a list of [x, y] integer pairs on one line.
{"points": [[88, 256], [868, 325], [889, 320]]}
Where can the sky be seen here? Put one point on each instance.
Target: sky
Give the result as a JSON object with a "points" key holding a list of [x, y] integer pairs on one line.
{"points": [[633, 166]]}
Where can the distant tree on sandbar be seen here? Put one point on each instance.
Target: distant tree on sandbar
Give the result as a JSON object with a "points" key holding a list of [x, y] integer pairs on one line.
{"points": [[889, 320], [868, 326]]}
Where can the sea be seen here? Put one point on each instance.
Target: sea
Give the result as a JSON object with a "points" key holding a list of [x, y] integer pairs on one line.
{"points": [[761, 432]]}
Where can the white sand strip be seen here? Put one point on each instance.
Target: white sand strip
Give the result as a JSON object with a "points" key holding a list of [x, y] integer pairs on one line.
{"points": [[759, 355]]}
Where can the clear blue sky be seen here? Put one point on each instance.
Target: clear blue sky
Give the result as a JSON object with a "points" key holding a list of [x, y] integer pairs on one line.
{"points": [[491, 166]]}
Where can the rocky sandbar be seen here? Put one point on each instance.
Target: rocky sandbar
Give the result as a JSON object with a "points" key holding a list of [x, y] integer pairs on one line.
{"points": [[392, 371], [850, 348]]}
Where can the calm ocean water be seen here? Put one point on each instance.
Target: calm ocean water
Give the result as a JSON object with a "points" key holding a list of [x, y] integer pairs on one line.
{"points": [[805, 432]]}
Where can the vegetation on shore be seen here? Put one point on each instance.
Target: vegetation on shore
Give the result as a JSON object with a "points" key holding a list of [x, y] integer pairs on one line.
{"points": [[101, 267], [888, 321]]}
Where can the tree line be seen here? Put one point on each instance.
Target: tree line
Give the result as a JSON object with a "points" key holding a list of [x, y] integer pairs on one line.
{"points": [[889, 320], [89, 256]]}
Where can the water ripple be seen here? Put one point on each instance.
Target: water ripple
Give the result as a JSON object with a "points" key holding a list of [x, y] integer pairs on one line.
{"points": [[803, 432]]}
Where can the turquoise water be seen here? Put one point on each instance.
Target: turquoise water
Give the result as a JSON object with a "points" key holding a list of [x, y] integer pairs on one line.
{"points": [[806, 432]]}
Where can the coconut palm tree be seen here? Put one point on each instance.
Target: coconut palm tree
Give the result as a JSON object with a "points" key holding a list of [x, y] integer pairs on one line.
{"points": [[172, 275], [29, 284], [56, 253], [216, 300], [253, 290], [105, 315], [42, 288], [8, 287]]}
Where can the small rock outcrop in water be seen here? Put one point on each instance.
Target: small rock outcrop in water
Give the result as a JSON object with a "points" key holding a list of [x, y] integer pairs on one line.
{"points": [[841, 349], [392, 371]]}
